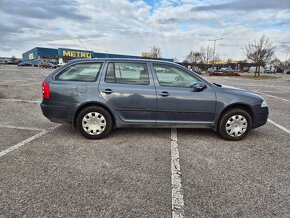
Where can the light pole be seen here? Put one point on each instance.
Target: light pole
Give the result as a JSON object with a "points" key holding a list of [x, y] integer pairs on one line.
{"points": [[214, 40], [286, 62]]}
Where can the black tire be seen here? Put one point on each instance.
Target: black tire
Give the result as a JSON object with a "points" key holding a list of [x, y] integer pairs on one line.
{"points": [[103, 112], [226, 117]]}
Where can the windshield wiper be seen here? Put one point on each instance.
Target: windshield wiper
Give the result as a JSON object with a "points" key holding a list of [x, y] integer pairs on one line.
{"points": [[218, 85]]}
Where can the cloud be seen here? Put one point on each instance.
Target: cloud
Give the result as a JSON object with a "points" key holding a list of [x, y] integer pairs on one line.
{"points": [[283, 23], [49, 9], [247, 5], [130, 27], [183, 13]]}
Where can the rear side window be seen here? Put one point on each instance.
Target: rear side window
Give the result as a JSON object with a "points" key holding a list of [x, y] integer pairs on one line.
{"points": [[80, 72], [127, 73]]}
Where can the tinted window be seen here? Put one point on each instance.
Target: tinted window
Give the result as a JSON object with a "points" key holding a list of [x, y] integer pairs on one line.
{"points": [[80, 72], [128, 73], [172, 76]]}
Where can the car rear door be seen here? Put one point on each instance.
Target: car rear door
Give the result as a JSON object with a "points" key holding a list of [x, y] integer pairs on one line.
{"points": [[129, 90], [70, 84], [69, 87]]}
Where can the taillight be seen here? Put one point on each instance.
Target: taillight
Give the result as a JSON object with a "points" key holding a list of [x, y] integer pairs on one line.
{"points": [[45, 90]]}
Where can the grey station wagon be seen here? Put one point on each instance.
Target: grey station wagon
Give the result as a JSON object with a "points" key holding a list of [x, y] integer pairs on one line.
{"points": [[97, 95]]}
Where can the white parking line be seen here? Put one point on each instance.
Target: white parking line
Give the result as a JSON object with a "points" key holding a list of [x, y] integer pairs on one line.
{"points": [[19, 80], [279, 126], [21, 127], [272, 96], [12, 148], [284, 90], [18, 145], [177, 192], [28, 84], [18, 100], [272, 86], [17, 85]]}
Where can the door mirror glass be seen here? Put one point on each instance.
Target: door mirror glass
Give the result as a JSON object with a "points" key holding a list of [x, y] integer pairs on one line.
{"points": [[198, 86]]}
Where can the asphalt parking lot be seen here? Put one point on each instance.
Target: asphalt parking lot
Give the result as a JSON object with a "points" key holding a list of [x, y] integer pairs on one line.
{"points": [[48, 170]]}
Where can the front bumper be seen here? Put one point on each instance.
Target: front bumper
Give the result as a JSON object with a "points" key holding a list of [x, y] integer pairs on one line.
{"points": [[260, 116]]}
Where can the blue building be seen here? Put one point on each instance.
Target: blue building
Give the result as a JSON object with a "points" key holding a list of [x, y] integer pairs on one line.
{"points": [[38, 55]]}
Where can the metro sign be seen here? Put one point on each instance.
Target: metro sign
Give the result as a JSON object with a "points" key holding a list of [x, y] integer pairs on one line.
{"points": [[76, 54]]}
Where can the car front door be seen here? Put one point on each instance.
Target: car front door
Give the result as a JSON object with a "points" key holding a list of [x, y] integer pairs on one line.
{"points": [[129, 90], [177, 101]]}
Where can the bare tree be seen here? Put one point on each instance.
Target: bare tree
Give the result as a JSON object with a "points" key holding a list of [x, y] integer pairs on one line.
{"points": [[13, 59], [193, 57], [206, 54], [277, 64], [260, 52], [229, 61], [156, 52], [286, 65], [216, 57]]}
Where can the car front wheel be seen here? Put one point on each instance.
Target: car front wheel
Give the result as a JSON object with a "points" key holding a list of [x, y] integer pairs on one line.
{"points": [[235, 124], [94, 122]]}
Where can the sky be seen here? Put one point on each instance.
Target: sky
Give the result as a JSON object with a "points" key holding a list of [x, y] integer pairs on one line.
{"points": [[134, 26]]}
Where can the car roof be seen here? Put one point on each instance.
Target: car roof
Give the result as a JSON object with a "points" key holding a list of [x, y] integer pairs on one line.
{"points": [[118, 59]]}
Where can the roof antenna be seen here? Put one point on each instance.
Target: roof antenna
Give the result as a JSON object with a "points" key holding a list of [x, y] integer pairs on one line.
{"points": [[83, 45]]}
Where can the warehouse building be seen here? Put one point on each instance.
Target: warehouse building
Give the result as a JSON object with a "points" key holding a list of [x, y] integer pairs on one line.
{"points": [[38, 55]]}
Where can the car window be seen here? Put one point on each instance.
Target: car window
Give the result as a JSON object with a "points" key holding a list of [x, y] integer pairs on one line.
{"points": [[127, 73], [80, 72], [172, 76]]}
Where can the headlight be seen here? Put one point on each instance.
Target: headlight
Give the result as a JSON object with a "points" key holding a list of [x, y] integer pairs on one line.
{"points": [[264, 104]]}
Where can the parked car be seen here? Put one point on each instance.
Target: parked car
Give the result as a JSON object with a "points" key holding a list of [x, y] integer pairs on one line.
{"points": [[268, 70], [227, 70], [287, 71], [98, 95], [213, 72], [210, 70], [60, 64], [24, 64], [48, 65], [197, 70], [253, 70]]}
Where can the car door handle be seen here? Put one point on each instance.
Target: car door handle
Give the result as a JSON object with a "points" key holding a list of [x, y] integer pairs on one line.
{"points": [[108, 91], [164, 94]]}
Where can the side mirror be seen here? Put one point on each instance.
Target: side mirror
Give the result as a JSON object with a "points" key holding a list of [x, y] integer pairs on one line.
{"points": [[198, 86]]}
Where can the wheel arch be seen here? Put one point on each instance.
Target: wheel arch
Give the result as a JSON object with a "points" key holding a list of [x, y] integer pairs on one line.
{"points": [[92, 103], [242, 106]]}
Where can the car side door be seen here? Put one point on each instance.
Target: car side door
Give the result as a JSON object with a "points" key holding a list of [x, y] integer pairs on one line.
{"points": [[70, 85], [129, 90], [178, 101]]}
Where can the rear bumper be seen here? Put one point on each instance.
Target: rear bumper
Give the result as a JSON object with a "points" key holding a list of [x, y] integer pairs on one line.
{"points": [[57, 113], [260, 116]]}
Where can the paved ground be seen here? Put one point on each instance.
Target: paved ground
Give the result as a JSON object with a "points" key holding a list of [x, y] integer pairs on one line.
{"points": [[54, 172]]}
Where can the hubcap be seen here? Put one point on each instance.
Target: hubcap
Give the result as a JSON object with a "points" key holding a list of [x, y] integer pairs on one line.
{"points": [[94, 123], [236, 125]]}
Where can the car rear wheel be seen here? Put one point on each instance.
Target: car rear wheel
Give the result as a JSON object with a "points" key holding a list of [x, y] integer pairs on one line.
{"points": [[94, 122], [235, 124]]}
